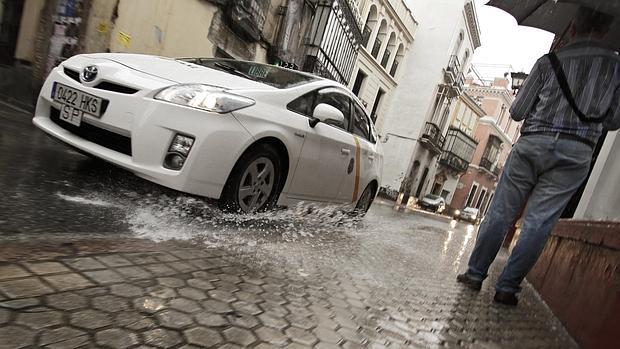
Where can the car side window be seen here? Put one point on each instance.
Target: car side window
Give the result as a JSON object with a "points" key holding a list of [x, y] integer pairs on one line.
{"points": [[303, 105], [340, 102], [361, 125]]}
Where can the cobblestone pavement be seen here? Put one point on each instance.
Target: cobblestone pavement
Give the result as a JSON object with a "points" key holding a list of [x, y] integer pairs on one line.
{"points": [[91, 256], [365, 285]]}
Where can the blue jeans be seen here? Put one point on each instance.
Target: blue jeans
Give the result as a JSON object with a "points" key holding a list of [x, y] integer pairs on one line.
{"points": [[546, 171]]}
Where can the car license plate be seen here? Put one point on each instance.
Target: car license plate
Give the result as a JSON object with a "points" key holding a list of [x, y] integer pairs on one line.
{"points": [[75, 103]]}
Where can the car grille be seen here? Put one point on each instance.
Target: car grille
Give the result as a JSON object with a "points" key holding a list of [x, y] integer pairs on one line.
{"points": [[97, 135], [104, 85]]}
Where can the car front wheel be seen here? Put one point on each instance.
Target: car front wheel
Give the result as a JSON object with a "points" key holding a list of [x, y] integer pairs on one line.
{"points": [[254, 182], [365, 200]]}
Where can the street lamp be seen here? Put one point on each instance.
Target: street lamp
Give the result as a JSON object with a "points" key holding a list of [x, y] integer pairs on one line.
{"points": [[517, 80]]}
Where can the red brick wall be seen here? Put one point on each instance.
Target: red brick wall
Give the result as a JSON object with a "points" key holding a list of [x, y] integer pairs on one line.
{"points": [[578, 275]]}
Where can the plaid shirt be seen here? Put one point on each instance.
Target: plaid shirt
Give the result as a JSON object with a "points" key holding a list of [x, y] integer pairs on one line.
{"points": [[593, 74]]}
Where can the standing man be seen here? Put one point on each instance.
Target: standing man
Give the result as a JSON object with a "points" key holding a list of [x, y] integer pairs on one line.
{"points": [[566, 102]]}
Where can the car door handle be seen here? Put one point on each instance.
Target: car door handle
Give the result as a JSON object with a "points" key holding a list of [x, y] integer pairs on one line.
{"points": [[371, 157], [345, 151]]}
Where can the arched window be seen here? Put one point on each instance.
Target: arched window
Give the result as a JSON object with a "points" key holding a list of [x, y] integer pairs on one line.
{"points": [[388, 50], [379, 40], [400, 53], [371, 21], [465, 59], [459, 43]]}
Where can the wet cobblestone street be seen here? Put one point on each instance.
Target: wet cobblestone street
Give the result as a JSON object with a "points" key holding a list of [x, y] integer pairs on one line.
{"points": [[92, 257]]}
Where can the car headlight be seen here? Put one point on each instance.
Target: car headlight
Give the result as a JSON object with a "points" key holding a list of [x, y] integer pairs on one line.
{"points": [[205, 97]]}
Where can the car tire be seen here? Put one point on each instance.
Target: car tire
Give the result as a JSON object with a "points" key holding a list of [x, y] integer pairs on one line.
{"points": [[254, 182], [365, 200]]}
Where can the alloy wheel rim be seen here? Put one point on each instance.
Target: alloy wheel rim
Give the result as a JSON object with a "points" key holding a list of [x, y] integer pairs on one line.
{"points": [[256, 184], [365, 200]]}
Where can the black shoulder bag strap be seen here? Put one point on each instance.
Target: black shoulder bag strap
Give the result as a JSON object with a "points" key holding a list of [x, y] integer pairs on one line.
{"points": [[559, 74]]}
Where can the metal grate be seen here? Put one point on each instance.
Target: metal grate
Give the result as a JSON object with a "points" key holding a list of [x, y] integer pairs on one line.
{"points": [[110, 86], [72, 74], [97, 135]]}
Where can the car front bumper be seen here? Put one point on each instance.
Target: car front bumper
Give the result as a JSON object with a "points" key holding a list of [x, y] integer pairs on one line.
{"points": [[150, 125]]}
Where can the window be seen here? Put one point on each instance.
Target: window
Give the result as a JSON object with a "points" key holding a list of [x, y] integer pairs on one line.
{"points": [[303, 105], [472, 194], [492, 150], [481, 198], [338, 101], [361, 125], [459, 42], [375, 106], [359, 80]]}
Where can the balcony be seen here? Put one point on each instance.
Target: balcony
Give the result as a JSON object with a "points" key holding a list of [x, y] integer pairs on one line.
{"points": [[490, 167], [432, 139], [497, 171], [459, 150], [460, 82], [451, 73], [452, 161]]}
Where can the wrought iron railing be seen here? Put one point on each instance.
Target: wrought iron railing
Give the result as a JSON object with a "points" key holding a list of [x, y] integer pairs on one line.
{"points": [[453, 161], [433, 137], [332, 46], [459, 150], [487, 164], [454, 65]]}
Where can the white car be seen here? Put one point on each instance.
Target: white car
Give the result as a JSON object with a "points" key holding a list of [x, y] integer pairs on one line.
{"points": [[251, 135]]}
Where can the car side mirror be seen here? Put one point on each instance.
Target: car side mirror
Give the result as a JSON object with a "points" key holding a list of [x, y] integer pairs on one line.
{"points": [[326, 113]]}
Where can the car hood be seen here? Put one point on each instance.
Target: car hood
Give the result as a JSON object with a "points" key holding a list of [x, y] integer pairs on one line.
{"points": [[180, 72], [431, 201]]}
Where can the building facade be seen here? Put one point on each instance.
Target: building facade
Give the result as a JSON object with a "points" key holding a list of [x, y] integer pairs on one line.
{"points": [[417, 120], [322, 37], [496, 133], [459, 146], [387, 35]]}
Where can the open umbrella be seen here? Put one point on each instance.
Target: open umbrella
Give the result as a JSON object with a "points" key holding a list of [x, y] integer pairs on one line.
{"points": [[556, 15]]}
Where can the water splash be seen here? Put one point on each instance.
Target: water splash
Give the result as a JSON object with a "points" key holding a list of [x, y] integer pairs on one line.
{"points": [[86, 200]]}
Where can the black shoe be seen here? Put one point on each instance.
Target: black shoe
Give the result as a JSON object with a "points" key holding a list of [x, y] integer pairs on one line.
{"points": [[506, 298], [469, 282]]}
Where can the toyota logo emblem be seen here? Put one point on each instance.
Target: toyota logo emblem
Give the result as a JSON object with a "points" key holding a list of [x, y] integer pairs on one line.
{"points": [[89, 73]]}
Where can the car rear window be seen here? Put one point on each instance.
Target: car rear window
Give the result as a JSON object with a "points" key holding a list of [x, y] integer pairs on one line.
{"points": [[264, 73]]}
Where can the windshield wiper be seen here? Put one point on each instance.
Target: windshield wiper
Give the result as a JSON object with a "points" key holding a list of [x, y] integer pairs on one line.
{"points": [[233, 71]]}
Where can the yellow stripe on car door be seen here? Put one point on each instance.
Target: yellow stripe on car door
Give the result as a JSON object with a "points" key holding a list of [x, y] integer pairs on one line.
{"points": [[358, 156]]}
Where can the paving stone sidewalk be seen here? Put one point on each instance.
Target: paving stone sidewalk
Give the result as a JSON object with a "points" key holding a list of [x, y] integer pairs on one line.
{"points": [[204, 298]]}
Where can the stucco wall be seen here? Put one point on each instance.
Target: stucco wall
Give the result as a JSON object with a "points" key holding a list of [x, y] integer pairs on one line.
{"points": [[174, 28], [441, 22], [601, 198]]}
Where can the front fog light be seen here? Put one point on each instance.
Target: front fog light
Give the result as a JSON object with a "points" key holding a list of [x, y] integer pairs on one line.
{"points": [[174, 161], [181, 144]]}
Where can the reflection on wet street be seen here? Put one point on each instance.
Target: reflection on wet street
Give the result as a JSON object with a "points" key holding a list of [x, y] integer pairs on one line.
{"points": [[167, 269]]}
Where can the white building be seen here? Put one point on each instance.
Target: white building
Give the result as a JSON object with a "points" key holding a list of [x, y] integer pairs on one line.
{"points": [[388, 32], [417, 119]]}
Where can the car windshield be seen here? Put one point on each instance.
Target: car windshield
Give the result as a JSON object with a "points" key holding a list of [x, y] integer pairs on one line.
{"points": [[471, 210], [433, 197], [264, 73]]}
